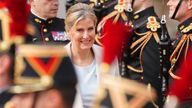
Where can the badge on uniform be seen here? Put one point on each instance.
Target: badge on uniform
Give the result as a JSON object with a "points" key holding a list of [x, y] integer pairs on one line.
{"points": [[59, 36]]}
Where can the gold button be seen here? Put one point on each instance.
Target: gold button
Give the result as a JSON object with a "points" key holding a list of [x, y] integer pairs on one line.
{"points": [[45, 30], [136, 17], [51, 21], [37, 20], [174, 60], [46, 39]]}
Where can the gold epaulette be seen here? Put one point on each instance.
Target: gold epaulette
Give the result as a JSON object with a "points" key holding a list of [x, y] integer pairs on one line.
{"points": [[153, 26], [187, 29], [119, 12], [185, 41]]}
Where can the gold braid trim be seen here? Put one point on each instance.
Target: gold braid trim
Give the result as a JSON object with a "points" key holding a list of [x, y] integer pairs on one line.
{"points": [[100, 26], [117, 13], [142, 43], [187, 29], [97, 39], [177, 52], [112, 14], [134, 69], [153, 25], [120, 8], [151, 97], [139, 40]]}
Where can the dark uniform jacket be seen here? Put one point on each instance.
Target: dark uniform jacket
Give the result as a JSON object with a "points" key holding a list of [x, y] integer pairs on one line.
{"points": [[50, 30], [184, 29], [144, 64], [181, 46]]}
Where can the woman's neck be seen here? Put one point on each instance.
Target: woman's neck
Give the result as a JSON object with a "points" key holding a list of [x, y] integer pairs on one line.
{"points": [[81, 57]]}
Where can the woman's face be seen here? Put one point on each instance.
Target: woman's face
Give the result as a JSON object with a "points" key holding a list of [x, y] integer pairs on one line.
{"points": [[83, 34]]}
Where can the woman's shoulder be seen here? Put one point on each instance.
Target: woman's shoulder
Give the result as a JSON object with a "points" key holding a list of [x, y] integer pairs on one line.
{"points": [[97, 51]]}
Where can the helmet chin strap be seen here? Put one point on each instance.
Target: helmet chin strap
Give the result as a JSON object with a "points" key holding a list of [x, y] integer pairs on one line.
{"points": [[176, 10], [132, 3]]}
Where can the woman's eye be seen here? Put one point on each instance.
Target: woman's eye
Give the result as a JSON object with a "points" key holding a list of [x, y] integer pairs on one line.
{"points": [[79, 30], [90, 29]]}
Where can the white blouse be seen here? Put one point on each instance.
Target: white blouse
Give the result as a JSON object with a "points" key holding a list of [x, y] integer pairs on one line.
{"points": [[88, 83]]}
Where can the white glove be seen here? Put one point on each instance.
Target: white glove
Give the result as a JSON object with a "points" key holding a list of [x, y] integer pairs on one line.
{"points": [[171, 102]]}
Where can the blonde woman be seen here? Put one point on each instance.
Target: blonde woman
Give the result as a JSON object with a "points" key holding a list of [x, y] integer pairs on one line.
{"points": [[80, 26]]}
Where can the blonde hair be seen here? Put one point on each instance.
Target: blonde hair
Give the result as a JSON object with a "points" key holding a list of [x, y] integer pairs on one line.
{"points": [[78, 12]]}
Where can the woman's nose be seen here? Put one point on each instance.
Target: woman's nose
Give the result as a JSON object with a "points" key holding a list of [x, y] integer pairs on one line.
{"points": [[86, 34]]}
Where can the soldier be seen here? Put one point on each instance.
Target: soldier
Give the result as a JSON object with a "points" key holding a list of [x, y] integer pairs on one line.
{"points": [[143, 56], [183, 39], [181, 10], [146, 52], [43, 17]]}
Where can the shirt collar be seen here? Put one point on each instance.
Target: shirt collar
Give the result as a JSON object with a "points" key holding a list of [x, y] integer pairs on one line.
{"points": [[38, 15]]}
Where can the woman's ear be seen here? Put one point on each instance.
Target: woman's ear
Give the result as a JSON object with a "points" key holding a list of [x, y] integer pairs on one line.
{"points": [[189, 3], [68, 35]]}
